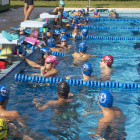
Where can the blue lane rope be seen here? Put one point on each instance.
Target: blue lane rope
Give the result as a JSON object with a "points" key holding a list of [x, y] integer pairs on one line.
{"points": [[121, 57], [103, 37], [107, 27], [110, 19], [75, 82]]}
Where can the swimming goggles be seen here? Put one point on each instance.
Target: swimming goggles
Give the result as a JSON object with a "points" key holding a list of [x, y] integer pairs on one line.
{"points": [[5, 93], [63, 41], [86, 69], [3, 129], [48, 62], [105, 60]]}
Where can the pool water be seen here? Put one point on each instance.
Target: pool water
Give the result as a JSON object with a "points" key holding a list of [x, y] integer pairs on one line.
{"points": [[70, 122]]}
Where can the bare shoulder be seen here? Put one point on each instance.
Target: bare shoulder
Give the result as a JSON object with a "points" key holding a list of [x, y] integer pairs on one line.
{"points": [[55, 71], [14, 113], [74, 53], [117, 110], [101, 119], [52, 102]]}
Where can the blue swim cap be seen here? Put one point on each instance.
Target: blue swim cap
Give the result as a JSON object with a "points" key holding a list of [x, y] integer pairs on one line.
{"points": [[4, 93], [72, 11], [105, 99], [62, 30], [63, 37], [84, 32], [77, 21], [65, 14], [51, 43], [76, 16], [87, 69], [76, 26], [56, 32], [61, 3], [44, 50], [87, 20], [83, 47], [113, 10], [83, 10]]}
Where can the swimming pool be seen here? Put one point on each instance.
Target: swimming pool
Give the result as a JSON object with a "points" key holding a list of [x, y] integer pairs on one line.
{"points": [[69, 122]]}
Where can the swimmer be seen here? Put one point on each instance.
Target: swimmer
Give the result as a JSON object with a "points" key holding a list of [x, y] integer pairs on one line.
{"points": [[56, 35], [84, 12], [81, 55], [96, 14], [76, 31], [113, 13], [105, 65], [62, 32], [8, 116], [84, 22], [80, 13], [73, 13], [113, 121], [45, 52], [64, 44], [64, 97], [11, 130], [86, 71], [53, 47], [49, 69]]}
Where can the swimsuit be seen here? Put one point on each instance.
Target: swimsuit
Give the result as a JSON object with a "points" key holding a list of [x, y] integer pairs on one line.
{"points": [[81, 55], [29, 2]]}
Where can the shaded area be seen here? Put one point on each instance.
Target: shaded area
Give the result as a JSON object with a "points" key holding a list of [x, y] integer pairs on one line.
{"points": [[135, 33], [137, 46]]}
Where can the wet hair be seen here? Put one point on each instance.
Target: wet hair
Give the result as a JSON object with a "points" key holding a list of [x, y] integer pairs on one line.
{"points": [[82, 51], [1, 103], [63, 89]]}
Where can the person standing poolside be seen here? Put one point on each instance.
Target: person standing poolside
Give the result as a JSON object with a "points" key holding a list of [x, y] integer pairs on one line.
{"points": [[105, 65], [8, 116], [28, 7], [64, 97], [59, 10], [111, 125]]}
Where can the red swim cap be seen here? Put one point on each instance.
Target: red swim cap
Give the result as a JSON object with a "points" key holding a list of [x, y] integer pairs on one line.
{"points": [[108, 59]]}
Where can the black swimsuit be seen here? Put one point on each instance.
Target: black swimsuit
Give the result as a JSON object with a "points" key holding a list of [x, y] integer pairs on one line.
{"points": [[81, 55], [29, 2]]}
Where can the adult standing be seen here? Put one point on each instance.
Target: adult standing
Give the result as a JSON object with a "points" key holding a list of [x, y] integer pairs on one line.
{"points": [[28, 7]]}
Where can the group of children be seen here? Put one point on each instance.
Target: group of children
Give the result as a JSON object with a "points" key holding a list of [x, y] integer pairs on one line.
{"points": [[47, 66]]}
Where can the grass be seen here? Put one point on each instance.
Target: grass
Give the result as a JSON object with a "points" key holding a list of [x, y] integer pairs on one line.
{"points": [[79, 4]]}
